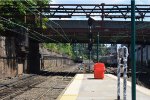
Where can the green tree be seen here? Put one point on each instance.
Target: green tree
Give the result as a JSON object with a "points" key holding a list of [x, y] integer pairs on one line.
{"points": [[64, 48], [12, 8]]}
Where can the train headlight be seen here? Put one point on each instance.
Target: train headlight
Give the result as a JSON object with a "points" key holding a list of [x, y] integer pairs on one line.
{"points": [[80, 57]]}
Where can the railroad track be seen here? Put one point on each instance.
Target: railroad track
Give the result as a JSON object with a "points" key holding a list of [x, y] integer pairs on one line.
{"points": [[24, 80], [55, 85], [20, 87], [10, 84]]}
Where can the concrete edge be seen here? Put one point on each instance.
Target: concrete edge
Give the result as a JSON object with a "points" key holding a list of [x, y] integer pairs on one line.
{"points": [[139, 88], [58, 98], [73, 97]]}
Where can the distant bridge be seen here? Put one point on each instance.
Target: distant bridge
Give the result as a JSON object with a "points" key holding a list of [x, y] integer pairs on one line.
{"points": [[109, 31]]}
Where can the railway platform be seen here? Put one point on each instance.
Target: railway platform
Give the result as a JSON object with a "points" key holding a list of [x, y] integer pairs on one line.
{"points": [[85, 87]]}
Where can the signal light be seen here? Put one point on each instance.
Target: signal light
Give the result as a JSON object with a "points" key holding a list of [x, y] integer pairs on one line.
{"points": [[90, 45], [90, 35], [90, 21]]}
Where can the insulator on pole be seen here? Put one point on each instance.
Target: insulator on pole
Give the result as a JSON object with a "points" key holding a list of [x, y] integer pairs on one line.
{"points": [[90, 21]]}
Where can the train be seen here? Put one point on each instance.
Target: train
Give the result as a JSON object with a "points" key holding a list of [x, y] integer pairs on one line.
{"points": [[78, 59], [109, 60]]}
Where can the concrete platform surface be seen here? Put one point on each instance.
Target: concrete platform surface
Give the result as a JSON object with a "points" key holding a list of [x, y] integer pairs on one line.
{"points": [[85, 87]]}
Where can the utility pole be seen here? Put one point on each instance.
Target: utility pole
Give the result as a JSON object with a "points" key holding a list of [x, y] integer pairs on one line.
{"points": [[26, 47], [98, 47], [133, 39], [90, 22]]}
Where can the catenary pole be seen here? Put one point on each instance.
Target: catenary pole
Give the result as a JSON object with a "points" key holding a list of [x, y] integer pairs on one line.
{"points": [[133, 39], [98, 47]]}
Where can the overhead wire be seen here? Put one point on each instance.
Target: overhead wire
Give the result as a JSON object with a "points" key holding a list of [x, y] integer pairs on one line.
{"points": [[21, 32], [26, 28], [51, 25], [6, 21], [12, 30], [16, 31], [29, 29], [57, 25], [37, 10]]}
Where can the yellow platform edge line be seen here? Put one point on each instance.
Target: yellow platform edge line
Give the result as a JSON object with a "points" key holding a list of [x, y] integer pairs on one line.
{"points": [[66, 94], [69, 97]]}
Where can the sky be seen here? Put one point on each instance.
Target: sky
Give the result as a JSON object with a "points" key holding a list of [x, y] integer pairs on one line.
{"points": [[99, 1]]}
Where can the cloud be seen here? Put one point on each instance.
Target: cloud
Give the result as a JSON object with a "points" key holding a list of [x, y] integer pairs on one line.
{"points": [[85, 1], [142, 1], [99, 1]]}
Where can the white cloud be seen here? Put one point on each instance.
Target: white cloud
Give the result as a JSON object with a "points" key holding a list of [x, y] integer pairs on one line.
{"points": [[99, 1], [86, 1], [142, 1]]}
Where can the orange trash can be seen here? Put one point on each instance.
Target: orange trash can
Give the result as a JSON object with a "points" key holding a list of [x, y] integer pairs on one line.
{"points": [[99, 70]]}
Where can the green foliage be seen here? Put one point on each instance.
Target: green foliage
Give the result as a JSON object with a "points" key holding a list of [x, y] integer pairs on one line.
{"points": [[76, 51], [21, 8], [44, 20], [7, 4], [59, 48], [1, 27], [103, 50]]}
